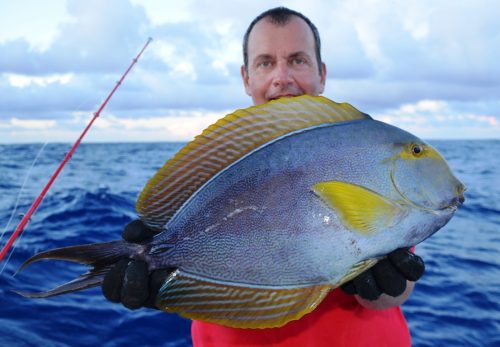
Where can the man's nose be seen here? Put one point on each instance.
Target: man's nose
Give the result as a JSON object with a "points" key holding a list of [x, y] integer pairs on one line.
{"points": [[282, 75]]}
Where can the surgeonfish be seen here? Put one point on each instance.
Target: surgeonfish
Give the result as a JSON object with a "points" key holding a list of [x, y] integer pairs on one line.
{"points": [[275, 205]]}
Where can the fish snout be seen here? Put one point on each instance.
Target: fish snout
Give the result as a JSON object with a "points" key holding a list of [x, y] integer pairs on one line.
{"points": [[460, 193], [456, 200], [459, 197]]}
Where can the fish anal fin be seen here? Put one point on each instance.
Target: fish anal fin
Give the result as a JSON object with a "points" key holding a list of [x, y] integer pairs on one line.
{"points": [[355, 270], [237, 306], [359, 208]]}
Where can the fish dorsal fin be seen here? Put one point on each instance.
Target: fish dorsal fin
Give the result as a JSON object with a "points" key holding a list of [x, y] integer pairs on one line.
{"points": [[237, 306], [359, 208], [226, 141]]}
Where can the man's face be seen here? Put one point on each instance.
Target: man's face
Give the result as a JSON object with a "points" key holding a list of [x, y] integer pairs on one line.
{"points": [[282, 61]]}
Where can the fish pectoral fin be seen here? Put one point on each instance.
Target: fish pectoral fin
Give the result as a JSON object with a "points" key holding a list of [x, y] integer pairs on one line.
{"points": [[234, 305], [359, 208]]}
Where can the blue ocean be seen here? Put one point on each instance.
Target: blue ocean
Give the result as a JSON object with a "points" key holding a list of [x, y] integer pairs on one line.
{"points": [[456, 303]]}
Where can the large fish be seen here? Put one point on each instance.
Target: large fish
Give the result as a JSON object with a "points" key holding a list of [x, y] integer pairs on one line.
{"points": [[273, 206]]}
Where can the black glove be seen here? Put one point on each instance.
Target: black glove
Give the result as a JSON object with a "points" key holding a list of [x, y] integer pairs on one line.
{"points": [[129, 281], [388, 276]]}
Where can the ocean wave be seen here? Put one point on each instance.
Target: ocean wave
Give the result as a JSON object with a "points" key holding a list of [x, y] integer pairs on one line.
{"points": [[456, 303]]}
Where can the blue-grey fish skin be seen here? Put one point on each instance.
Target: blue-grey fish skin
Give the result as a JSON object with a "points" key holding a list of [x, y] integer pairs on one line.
{"points": [[259, 223]]}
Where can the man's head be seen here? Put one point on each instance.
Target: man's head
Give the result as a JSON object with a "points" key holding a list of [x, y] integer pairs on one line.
{"points": [[281, 53]]}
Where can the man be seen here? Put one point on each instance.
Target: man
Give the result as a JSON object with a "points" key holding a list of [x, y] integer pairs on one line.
{"points": [[282, 58]]}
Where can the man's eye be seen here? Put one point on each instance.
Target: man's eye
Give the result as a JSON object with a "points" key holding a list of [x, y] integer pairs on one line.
{"points": [[265, 64], [298, 61]]}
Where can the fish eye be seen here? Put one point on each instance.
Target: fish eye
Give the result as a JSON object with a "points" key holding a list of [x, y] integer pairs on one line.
{"points": [[417, 150]]}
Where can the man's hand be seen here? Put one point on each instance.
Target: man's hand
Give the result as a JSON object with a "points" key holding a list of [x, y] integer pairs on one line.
{"points": [[389, 276], [129, 281]]}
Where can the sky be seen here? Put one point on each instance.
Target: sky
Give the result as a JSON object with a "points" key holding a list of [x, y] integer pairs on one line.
{"points": [[429, 67]]}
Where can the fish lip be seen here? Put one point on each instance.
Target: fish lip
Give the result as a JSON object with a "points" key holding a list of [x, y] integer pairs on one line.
{"points": [[454, 204], [456, 201], [448, 208]]}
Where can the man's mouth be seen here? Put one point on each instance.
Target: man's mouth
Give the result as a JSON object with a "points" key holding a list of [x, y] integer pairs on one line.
{"points": [[281, 96]]}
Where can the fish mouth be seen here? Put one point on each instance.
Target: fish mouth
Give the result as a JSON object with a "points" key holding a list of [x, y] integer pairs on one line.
{"points": [[455, 202], [450, 206]]}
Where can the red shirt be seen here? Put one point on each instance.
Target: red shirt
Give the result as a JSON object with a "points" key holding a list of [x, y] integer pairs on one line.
{"points": [[338, 321]]}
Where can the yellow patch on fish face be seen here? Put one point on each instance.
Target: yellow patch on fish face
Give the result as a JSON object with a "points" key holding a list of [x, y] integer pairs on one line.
{"points": [[414, 151], [422, 177], [360, 209]]}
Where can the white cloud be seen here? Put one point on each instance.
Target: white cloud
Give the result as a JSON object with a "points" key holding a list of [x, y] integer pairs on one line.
{"points": [[32, 123], [414, 63], [441, 120], [172, 126], [26, 20], [164, 50], [489, 120], [161, 12], [424, 106], [184, 69], [183, 125], [23, 81], [368, 37]]}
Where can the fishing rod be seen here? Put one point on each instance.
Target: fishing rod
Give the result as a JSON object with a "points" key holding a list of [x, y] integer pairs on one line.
{"points": [[67, 157]]}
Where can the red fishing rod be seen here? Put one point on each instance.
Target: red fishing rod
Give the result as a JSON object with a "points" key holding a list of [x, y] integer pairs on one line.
{"points": [[67, 157]]}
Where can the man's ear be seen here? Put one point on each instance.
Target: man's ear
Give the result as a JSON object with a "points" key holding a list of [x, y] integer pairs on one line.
{"points": [[244, 77], [323, 77]]}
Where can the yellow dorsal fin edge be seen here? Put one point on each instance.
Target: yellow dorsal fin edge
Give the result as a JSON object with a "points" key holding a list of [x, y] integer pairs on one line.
{"points": [[227, 140]]}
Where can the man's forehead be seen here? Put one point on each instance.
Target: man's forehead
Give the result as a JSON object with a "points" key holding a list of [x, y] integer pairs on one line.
{"points": [[295, 35]]}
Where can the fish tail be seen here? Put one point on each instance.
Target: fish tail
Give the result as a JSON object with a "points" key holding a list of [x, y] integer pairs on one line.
{"points": [[100, 257]]}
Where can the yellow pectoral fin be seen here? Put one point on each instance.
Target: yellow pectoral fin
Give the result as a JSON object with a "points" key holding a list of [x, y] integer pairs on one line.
{"points": [[360, 209]]}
